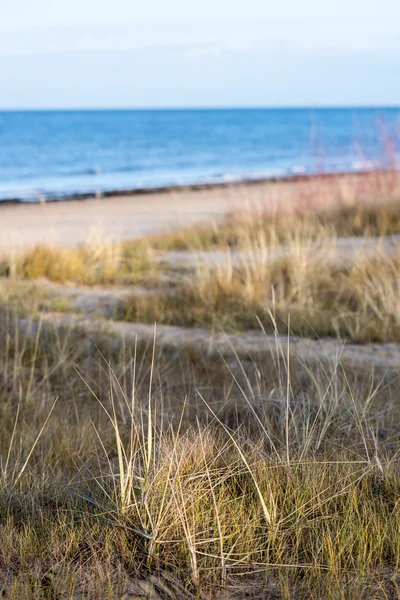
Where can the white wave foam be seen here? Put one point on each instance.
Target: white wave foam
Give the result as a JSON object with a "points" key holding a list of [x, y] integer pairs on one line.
{"points": [[297, 169], [360, 165]]}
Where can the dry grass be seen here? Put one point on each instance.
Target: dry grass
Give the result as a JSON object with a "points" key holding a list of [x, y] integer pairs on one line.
{"points": [[359, 220], [323, 294], [98, 262], [284, 264], [137, 471], [158, 472]]}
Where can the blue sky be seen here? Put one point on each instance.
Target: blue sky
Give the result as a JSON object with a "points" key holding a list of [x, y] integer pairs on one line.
{"points": [[126, 53]]}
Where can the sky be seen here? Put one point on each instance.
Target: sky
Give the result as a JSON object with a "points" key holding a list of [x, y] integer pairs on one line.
{"points": [[213, 53]]}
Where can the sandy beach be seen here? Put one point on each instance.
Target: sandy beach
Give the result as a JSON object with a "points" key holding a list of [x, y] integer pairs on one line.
{"points": [[72, 222]]}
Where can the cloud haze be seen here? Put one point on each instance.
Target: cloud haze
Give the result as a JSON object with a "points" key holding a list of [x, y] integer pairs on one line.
{"points": [[53, 59]]}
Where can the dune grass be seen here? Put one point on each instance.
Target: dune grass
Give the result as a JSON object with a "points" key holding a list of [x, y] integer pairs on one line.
{"points": [[356, 298], [287, 264], [358, 220], [145, 471], [98, 262], [133, 470]]}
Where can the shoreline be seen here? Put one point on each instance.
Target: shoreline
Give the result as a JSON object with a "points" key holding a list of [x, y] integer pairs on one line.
{"points": [[125, 216], [98, 194]]}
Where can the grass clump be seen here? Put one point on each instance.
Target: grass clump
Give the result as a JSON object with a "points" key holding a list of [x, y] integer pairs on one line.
{"points": [[357, 301], [160, 472], [357, 220], [95, 263]]}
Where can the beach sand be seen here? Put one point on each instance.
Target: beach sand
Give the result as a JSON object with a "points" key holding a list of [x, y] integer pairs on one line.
{"points": [[122, 217], [72, 222]]}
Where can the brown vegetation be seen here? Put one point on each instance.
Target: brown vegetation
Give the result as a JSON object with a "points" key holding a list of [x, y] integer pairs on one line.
{"points": [[183, 478]]}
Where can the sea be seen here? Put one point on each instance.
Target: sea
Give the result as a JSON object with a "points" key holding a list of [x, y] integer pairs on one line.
{"points": [[60, 154]]}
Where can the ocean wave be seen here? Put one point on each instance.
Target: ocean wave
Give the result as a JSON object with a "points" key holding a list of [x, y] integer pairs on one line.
{"points": [[229, 177], [362, 165], [297, 170], [96, 171]]}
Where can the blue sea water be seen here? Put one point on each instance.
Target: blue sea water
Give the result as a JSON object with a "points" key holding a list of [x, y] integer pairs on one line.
{"points": [[57, 154]]}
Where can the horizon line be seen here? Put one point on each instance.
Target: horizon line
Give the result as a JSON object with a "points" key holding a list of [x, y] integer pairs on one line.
{"points": [[202, 108]]}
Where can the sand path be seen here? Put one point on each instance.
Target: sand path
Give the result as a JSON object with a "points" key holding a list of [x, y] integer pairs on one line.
{"points": [[367, 356]]}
